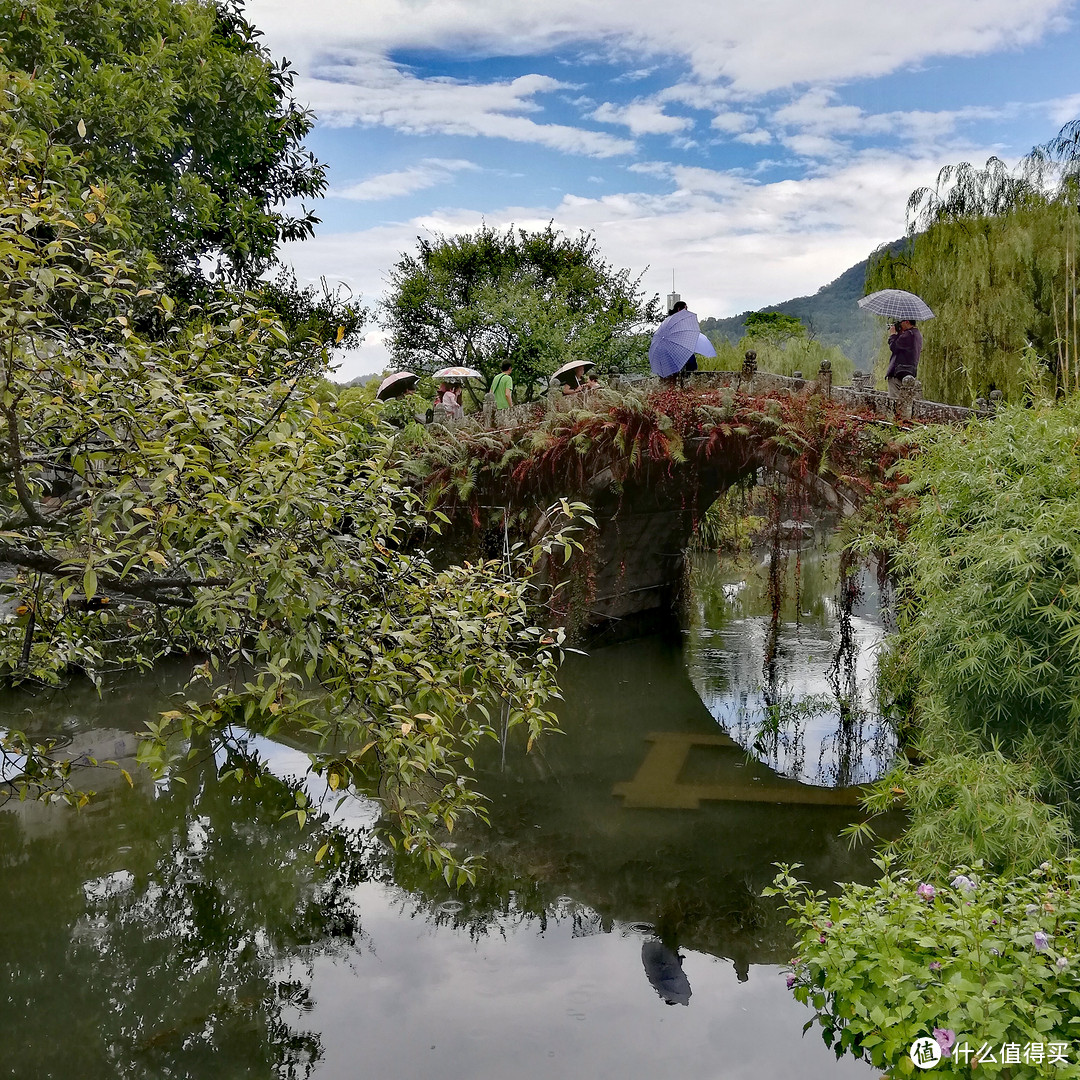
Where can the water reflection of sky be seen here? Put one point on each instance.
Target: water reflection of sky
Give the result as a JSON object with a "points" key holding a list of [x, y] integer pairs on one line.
{"points": [[430, 1002], [813, 682], [539, 975]]}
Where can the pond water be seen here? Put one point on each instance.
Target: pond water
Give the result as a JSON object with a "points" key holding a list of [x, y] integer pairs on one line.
{"points": [[184, 930]]}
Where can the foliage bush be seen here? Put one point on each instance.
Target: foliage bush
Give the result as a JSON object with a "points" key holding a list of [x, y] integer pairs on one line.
{"points": [[984, 960], [190, 494], [969, 806], [780, 357], [991, 567]]}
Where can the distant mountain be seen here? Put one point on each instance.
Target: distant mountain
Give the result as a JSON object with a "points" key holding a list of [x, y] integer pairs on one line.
{"points": [[832, 315], [360, 380]]}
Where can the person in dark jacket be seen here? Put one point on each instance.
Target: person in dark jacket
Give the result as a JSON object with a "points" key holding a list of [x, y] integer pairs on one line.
{"points": [[905, 344]]}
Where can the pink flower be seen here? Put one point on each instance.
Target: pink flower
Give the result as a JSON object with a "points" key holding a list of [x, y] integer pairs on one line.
{"points": [[927, 892], [945, 1037], [1040, 941], [791, 980], [935, 965]]}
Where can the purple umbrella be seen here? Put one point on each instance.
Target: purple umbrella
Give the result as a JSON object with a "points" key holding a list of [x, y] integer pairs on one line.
{"points": [[675, 341]]}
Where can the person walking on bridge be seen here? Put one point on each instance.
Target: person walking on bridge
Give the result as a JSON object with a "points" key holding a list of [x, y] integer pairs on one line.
{"points": [[905, 346], [502, 386]]}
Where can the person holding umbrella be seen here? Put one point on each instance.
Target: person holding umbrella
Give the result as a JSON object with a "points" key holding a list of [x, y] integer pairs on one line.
{"points": [[905, 346], [571, 375], [905, 338], [675, 342]]}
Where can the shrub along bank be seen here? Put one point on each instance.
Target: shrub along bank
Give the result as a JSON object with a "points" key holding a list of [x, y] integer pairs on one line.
{"points": [[985, 671]]}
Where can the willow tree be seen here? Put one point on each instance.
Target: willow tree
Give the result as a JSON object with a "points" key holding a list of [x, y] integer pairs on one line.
{"points": [[993, 252]]}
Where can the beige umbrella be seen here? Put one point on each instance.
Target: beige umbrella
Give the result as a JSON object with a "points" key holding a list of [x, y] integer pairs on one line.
{"points": [[575, 367]]}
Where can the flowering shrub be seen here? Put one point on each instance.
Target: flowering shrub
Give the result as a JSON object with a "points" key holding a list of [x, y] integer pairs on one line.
{"points": [[980, 960]]}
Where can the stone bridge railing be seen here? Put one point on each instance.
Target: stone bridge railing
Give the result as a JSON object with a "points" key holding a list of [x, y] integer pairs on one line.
{"points": [[860, 396]]}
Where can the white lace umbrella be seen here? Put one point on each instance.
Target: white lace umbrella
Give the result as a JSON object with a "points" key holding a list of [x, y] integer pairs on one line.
{"points": [[458, 373]]}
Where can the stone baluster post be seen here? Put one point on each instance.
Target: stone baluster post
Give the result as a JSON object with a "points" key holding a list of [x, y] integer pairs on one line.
{"points": [[489, 409], [997, 399], [905, 402], [749, 370], [824, 379]]}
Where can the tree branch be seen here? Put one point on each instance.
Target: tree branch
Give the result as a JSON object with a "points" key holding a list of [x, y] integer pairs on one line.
{"points": [[166, 591]]}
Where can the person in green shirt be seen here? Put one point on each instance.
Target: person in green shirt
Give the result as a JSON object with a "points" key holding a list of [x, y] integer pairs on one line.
{"points": [[502, 386]]}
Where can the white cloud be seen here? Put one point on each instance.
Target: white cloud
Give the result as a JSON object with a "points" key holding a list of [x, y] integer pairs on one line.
{"points": [[755, 45], [428, 173], [732, 122], [698, 95], [734, 243], [1062, 110], [642, 117], [371, 90], [817, 122], [635, 76], [758, 137], [813, 146]]}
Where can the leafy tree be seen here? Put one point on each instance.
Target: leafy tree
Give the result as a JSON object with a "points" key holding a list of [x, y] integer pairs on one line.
{"points": [[774, 327], [330, 317], [536, 298], [155, 499], [179, 112]]}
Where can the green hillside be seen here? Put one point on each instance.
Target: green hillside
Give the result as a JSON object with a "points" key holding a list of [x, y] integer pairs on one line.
{"points": [[831, 315]]}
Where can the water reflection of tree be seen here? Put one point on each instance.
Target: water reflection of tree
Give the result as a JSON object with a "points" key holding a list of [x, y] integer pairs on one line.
{"points": [[180, 951], [814, 587]]}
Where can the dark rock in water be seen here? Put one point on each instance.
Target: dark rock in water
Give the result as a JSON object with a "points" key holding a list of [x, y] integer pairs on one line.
{"points": [[664, 970]]}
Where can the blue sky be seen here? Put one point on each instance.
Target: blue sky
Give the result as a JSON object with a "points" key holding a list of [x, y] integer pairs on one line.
{"points": [[757, 148]]}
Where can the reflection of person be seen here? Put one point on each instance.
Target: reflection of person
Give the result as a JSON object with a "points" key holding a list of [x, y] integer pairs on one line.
{"points": [[663, 968], [905, 345], [502, 386]]}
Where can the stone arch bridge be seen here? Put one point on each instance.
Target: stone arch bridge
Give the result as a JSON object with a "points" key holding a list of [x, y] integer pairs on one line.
{"points": [[650, 458]]}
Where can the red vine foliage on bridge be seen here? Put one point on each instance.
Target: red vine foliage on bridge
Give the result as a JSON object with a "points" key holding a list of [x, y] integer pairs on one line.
{"points": [[652, 436]]}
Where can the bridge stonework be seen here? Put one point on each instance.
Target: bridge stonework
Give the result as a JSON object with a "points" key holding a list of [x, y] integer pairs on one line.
{"points": [[645, 525], [646, 514]]}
